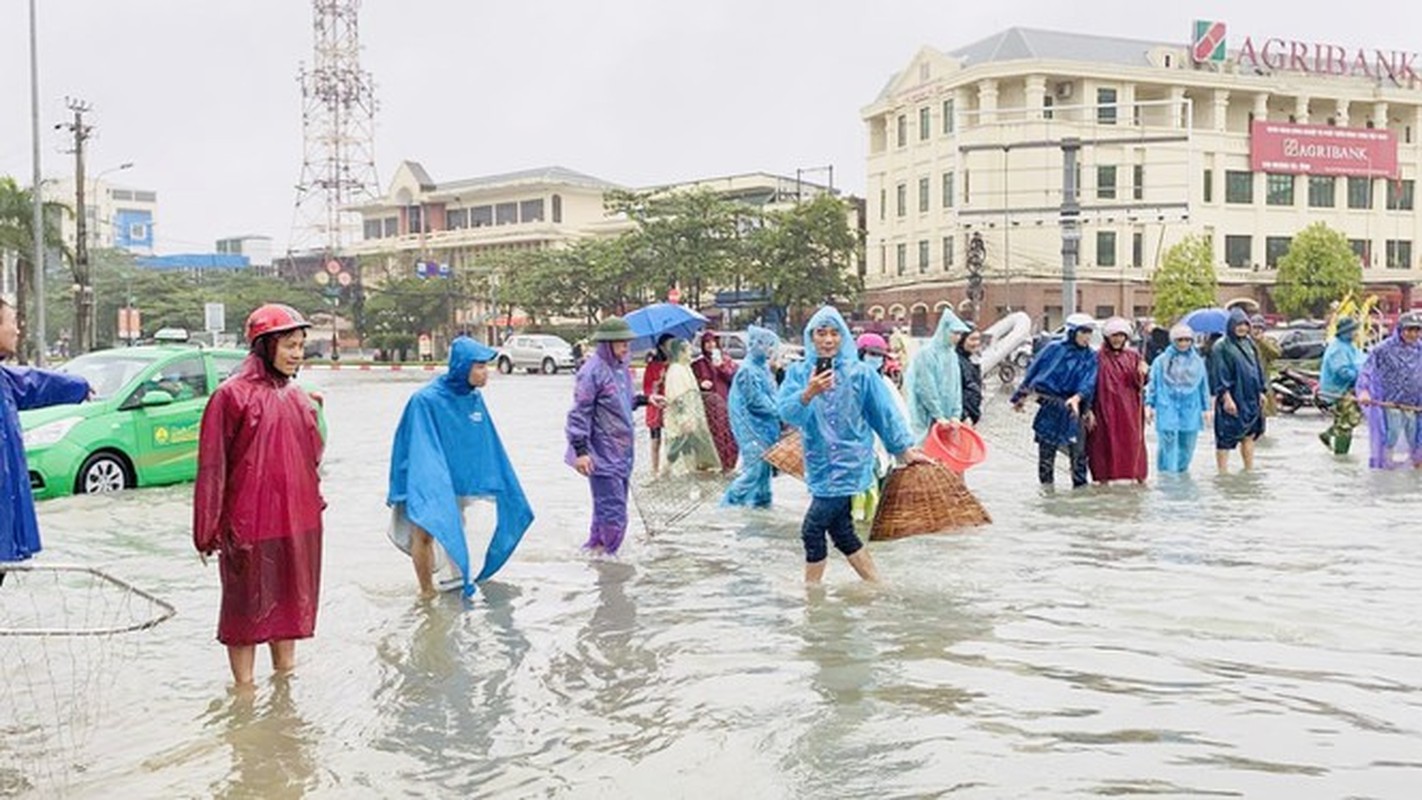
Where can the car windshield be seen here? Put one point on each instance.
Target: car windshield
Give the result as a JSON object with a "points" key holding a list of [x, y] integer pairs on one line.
{"points": [[550, 342], [107, 372]]}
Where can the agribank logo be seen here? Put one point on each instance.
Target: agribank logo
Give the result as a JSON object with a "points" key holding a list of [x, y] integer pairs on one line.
{"points": [[1209, 42]]}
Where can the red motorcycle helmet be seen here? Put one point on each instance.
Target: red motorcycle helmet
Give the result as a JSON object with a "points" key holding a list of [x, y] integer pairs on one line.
{"points": [[274, 318]]}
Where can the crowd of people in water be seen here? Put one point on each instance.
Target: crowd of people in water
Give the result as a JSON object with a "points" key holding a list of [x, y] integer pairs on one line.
{"points": [[258, 506]]}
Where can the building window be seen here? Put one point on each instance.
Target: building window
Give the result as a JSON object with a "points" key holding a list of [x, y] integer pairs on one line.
{"points": [[557, 208], [531, 210], [1239, 187], [1106, 106], [1274, 249], [1137, 249], [965, 187], [1138, 182], [1047, 103], [903, 130], [456, 218], [902, 196], [1106, 183], [1360, 192], [901, 251], [1239, 251], [925, 124], [481, 216], [373, 229], [1105, 248], [947, 253], [506, 214], [1399, 253], [1363, 249], [948, 123], [947, 190], [883, 259], [922, 256], [1321, 191], [1209, 184], [392, 227], [922, 195], [1399, 195], [414, 218], [1280, 190]]}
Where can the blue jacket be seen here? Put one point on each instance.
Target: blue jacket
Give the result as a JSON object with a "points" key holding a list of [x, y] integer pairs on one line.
{"points": [[934, 384], [838, 426], [24, 389], [446, 448], [1341, 362], [1061, 370], [1178, 390], [755, 420]]}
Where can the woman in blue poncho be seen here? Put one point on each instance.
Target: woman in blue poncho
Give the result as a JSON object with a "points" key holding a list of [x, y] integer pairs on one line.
{"points": [[1178, 399], [754, 420], [1063, 378], [447, 455], [839, 405], [934, 383], [1237, 382]]}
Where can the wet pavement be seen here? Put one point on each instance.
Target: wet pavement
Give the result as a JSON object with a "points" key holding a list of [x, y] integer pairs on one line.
{"points": [[1246, 635]]}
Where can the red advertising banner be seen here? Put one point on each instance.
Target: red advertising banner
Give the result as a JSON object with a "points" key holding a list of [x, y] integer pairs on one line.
{"points": [[1287, 148]]}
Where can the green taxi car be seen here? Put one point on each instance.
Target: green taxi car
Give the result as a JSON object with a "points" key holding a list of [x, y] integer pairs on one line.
{"points": [[140, 428]]}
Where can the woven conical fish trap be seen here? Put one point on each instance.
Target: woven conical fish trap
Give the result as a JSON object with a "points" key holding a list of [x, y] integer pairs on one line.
{"points": [[788, 454], [925, 498]]}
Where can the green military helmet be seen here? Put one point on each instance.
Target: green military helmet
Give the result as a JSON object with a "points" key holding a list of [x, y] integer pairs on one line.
{"points": [[613, 329]]}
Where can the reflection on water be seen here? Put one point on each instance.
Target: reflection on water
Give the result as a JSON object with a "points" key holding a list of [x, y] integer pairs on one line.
{"points": [[1240, 635]]}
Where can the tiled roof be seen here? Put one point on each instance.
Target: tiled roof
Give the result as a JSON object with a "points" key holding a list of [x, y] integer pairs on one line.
{"points": [[1016, 44]]}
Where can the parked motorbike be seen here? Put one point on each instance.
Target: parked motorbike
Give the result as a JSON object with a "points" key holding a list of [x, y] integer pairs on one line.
{"points": [[1295, 388]]}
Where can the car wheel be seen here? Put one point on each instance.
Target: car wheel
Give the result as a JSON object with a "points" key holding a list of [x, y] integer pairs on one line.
{"points": [[505, 366], [1006, 372], [549, 367], [102, 473]]}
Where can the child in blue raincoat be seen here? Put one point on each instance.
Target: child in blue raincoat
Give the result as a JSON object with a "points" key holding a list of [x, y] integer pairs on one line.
{"points": [[839, 404], [447, 454], [20, 390], [1178, 399], [755, 421], [934, 383]]}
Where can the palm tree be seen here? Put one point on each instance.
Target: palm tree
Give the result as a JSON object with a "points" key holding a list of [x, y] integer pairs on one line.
{"points": [[16, 235]]}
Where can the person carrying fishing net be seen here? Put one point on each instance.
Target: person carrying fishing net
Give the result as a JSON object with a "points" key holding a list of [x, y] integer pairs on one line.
{"points": [[1389, 389]]}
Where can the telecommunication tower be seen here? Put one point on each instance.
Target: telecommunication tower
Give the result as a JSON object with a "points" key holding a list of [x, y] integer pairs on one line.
{"points": [[338, 132]]}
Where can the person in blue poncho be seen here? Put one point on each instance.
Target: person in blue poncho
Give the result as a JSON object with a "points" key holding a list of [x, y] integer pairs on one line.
{"points": [[934, 383], [1178, 399], [1341, 362], [839, 404], [1237, 382], [1063, 377], [23, 389], [755, 421], [447, 455]]}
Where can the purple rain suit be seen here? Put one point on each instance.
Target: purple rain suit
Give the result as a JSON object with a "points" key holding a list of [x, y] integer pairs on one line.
{"points": [[600, 425]]}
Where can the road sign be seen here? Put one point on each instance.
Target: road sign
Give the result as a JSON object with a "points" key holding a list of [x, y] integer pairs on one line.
{"points": [[129, 324], [333, 266], [214, 317], [344, 279]]}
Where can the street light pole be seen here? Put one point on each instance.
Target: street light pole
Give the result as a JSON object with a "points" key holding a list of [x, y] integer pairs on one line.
{"points": [[37, 231]]}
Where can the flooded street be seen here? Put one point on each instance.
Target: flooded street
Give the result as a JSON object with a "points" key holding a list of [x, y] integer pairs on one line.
{"points": [[1250, 636]]}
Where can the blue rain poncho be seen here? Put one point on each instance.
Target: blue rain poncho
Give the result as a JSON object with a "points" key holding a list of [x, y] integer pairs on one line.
{"points": [[1339, 369], [838, 426], [934, 383], [1235, 368], [21, 390], [755, 421], [1178, 389], [447, 449], [1061, 370]]}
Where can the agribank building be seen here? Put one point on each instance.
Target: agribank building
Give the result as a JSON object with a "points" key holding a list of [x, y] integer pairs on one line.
{"points": [[1243, 137]]}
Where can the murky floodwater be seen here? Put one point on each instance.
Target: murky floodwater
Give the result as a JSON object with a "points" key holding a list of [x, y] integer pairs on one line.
{"points": [[1246, 636]]}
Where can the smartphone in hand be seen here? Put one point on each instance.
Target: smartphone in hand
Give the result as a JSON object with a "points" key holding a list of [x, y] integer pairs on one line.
{"points": [[823, 365]]}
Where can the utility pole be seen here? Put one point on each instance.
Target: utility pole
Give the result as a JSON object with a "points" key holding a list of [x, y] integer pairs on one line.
{"points": [[83, 281], [36, 201], [1071, 224]]}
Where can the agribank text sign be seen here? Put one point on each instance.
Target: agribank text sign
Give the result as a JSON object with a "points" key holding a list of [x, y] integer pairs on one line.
{"points": [[1313, 58], [1322, 150]]}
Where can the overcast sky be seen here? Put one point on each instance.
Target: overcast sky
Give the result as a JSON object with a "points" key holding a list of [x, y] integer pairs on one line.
{"points": [[202, 96]]}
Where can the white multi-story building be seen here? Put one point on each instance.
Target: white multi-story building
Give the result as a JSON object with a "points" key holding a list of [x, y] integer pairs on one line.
{"points": [[116, 216], [1245, 140]]}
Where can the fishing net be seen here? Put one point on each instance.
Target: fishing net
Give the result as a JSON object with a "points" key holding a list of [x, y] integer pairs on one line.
{"points": [[689, 475], [65, 632]]}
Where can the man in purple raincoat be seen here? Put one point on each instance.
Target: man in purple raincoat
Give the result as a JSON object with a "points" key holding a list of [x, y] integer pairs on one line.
{"points": [[22, 389], [600, 433]]}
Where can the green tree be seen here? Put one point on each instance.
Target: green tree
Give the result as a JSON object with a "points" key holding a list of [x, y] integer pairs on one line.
{"points": [[1319, 267], [17, 236], [1185, 280], [806, 255], [689, 239]]}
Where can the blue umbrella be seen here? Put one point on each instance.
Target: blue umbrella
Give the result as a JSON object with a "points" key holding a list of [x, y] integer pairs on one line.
{"points": [[1207, 320], [652, 322]]}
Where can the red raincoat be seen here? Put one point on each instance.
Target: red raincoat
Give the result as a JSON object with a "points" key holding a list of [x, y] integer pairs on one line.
{"points": [[718, 416], [1115, 444], [258, 505]]}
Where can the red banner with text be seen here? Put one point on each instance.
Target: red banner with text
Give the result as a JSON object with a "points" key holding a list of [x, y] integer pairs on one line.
{"points": [[1292, 149]]}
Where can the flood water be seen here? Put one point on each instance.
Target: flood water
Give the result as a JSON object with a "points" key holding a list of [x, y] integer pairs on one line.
{"points": [[1240, 636]]}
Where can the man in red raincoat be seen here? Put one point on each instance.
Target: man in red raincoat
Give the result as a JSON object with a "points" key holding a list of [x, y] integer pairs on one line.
{"points": [[1115, 428], [258, 502]]}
